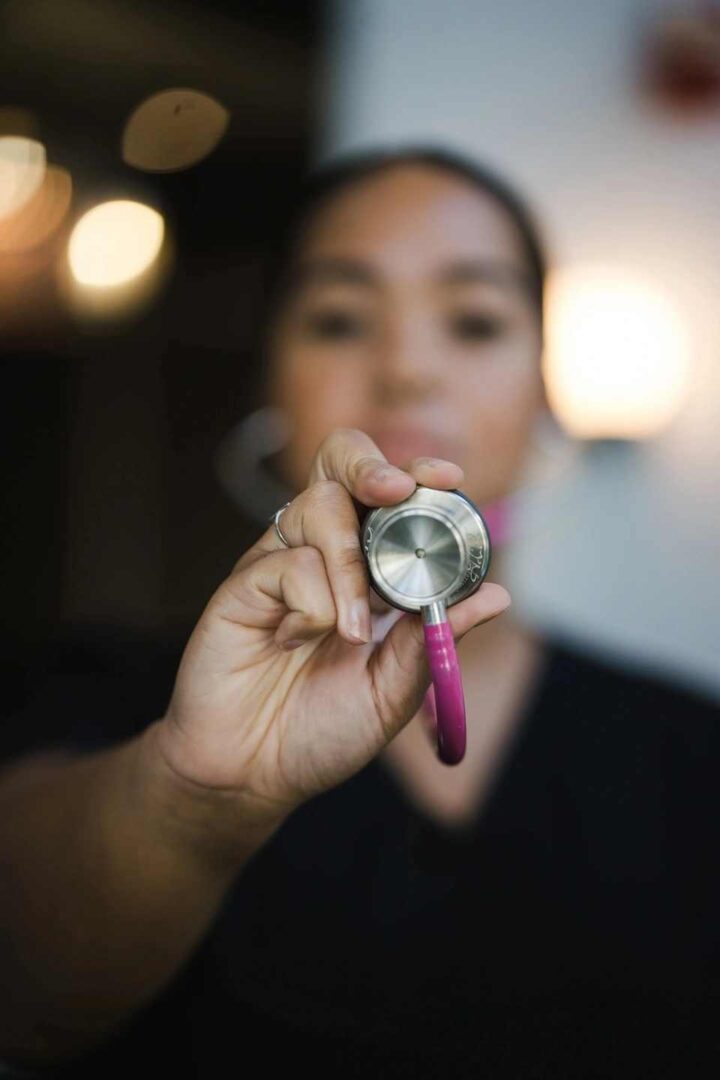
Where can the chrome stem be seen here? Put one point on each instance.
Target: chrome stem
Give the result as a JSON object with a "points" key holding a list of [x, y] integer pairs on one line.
{"points": [[434, 613]]}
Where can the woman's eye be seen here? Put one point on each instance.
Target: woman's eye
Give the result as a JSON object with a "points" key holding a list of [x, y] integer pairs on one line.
{"points": [[335, 325], [472, 327]]}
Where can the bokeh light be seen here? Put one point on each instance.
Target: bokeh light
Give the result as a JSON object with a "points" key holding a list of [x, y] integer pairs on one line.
{"points": [[40, 216], [617, 356], [173, 130], [22, 171], [114, 243]]}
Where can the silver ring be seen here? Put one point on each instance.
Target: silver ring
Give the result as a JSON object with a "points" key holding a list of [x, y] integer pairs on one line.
{"points": [[276, 518]]}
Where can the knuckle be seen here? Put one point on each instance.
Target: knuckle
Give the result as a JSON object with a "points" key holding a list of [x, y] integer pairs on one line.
{"points": [[333, 442], [348, 556], [328, 442], [326, 492], [341, 435], [366, 463], [307, 559], [322, 619], [319, 610], [341, 442], [383, 710]]}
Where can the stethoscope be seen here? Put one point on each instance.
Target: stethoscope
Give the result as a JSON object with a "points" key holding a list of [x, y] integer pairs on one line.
{"points": [[423, 555]]}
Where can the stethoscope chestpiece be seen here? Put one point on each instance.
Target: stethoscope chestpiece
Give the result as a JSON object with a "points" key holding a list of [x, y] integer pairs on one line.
{"points": [[423, 555]]}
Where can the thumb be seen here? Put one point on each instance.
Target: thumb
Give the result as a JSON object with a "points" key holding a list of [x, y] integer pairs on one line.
{"points": [[399, 669]]}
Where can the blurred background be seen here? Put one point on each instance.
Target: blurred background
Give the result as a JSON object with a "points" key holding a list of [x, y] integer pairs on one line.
{"points": [[172, 135]]}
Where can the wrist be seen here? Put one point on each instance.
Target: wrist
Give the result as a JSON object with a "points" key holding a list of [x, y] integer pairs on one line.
{"points": [[218, 828]]}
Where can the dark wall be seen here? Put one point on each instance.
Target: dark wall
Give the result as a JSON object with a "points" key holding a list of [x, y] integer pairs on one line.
{"points": [[111, 513]]}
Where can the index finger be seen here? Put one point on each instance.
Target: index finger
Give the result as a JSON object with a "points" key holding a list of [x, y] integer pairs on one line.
{"points": [[352, 458]]}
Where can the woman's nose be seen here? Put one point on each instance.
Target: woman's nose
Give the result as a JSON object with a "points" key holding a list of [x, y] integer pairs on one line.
{"points": [[409, 366]]}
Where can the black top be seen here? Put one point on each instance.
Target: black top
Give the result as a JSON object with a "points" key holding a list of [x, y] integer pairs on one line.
{"points": [[572, 931]]}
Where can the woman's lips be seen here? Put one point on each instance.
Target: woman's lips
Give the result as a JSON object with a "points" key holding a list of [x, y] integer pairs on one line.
{"points": [[400, 447]]}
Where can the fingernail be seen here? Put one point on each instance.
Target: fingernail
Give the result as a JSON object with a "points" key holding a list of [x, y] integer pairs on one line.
{"points": [[291, 643], [437, 463], [358, 622]]}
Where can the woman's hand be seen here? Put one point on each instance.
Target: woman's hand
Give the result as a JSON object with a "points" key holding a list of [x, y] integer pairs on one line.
{"points": [[267, 725]]}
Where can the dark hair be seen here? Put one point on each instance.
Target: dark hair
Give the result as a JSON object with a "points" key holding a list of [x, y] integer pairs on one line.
{"points": [[322, 184]]}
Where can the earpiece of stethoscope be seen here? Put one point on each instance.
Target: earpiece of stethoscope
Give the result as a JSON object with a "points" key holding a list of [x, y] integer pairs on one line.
{"points": [[424, 555]]}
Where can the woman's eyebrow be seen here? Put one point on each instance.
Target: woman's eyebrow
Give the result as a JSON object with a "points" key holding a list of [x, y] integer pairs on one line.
{"points": [[489, 271], [335, 270]]}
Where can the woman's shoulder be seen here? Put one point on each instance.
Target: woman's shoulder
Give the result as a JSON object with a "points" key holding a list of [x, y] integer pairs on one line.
{"points": [[579, 665], [619, 703]]}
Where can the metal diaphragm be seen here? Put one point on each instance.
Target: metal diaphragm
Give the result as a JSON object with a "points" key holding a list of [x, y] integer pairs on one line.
{"points": [[434, 547]]}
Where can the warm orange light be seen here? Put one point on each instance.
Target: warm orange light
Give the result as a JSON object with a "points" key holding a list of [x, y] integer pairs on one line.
{"points": [[40, 217], [617, 353], [22, 171]]}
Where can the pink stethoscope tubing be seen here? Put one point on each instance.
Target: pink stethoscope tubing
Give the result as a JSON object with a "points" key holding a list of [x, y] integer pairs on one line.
{"points": [[447, 684]]}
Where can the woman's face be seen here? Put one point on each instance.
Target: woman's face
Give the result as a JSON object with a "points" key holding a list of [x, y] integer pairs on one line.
{"points": [[410, 320]]}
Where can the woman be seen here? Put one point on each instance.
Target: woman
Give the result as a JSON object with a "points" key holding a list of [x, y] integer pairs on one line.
{"points": [[279, 868]]}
